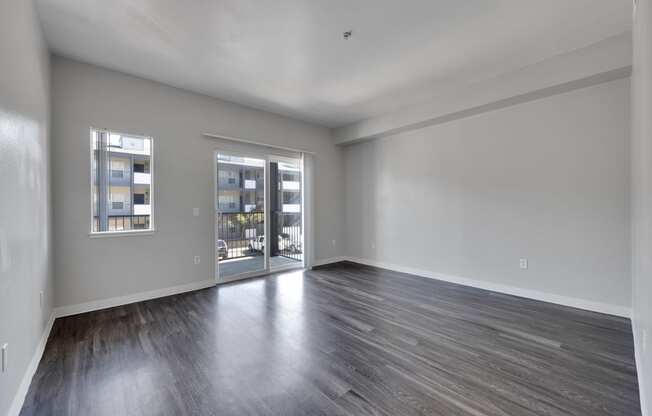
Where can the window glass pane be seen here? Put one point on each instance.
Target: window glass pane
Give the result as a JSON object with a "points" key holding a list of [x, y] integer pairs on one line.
{"points": [[121, 182]]}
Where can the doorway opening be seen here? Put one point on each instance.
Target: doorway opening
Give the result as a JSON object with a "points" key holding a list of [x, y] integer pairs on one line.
{"points": [[257, 197]]}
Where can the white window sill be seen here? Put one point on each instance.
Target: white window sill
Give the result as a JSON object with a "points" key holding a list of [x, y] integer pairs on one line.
{"points": [[129, 233]]}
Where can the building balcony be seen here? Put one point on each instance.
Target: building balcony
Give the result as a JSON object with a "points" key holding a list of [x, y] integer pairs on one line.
{"points": [[119, 180], [142, 209], [228, 207], [291, 186], [142, 178], [228, 185], [292, 208]]}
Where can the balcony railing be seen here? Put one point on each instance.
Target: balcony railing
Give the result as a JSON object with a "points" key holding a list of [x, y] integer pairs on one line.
{"points": [[241, 233], [124, 223], [142, 209], [291, 208], [291, 186], [290, 235]]}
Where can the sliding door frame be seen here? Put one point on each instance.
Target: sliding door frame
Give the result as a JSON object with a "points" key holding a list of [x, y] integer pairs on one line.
{"points": [[267, 158], [274, 158]]}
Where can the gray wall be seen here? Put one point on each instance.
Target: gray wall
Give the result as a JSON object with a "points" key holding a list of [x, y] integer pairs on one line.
{"points": [[99, 268], [24, 191], [546, 180], [642, 196]]}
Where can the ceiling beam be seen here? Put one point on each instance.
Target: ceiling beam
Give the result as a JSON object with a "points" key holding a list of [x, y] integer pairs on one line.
{"points": [[604, 61]]}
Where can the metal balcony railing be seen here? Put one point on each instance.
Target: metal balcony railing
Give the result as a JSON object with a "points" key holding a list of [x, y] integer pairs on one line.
{"points": [[124, 222], [242, 234], [239, 231], [290, 235]]}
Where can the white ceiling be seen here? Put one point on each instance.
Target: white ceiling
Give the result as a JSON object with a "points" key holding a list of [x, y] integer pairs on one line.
{"points": [[288, 56]]}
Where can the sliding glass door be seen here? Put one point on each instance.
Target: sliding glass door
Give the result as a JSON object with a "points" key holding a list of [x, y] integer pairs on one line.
{"points": [[240, 216], [256, 198], [286, 212]]}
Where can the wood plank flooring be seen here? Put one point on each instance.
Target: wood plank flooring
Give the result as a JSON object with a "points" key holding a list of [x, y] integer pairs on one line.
{"points": [[342, 340]]}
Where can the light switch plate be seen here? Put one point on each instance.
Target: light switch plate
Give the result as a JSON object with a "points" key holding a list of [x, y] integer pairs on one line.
{"points": [[195, 212], [5, 357]]}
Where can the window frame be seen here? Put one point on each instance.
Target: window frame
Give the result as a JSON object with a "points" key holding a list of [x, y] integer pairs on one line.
{"points": [[152, 191]]}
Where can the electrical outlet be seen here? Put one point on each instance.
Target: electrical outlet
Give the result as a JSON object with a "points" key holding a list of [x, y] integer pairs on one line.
{"points": [[522, 263], [197, 259], [5, 357], [334, 243]]}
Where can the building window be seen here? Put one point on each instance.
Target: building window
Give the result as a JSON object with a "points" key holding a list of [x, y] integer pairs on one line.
{"points": [[139, 199], [121, 201]]}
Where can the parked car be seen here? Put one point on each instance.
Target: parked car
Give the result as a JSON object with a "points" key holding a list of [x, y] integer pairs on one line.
{"points": [[257, 244], [222, 249], [287, 244], [284, 243]]}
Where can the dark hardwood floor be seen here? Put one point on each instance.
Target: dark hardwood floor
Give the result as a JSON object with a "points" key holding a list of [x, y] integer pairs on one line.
{"points": [[342, 340]]}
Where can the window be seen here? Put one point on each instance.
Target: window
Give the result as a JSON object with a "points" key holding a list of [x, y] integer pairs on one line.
{"points": [[139, 199], [291, 198], [120, 201], [118, 167]]}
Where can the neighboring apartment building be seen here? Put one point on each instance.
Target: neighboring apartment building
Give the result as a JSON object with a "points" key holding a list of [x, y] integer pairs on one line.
{"points": [[241, 199], [241, 186], [290, 188], [128, 175]]}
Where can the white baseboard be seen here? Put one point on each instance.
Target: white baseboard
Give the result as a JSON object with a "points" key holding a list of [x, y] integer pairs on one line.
{"points": [[95, 305], [588, 305], [323, 262], [19, 398], [639, 367]]}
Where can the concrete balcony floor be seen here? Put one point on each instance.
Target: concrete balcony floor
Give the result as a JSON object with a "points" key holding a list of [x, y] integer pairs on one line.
{"points": [[232, 267]]}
